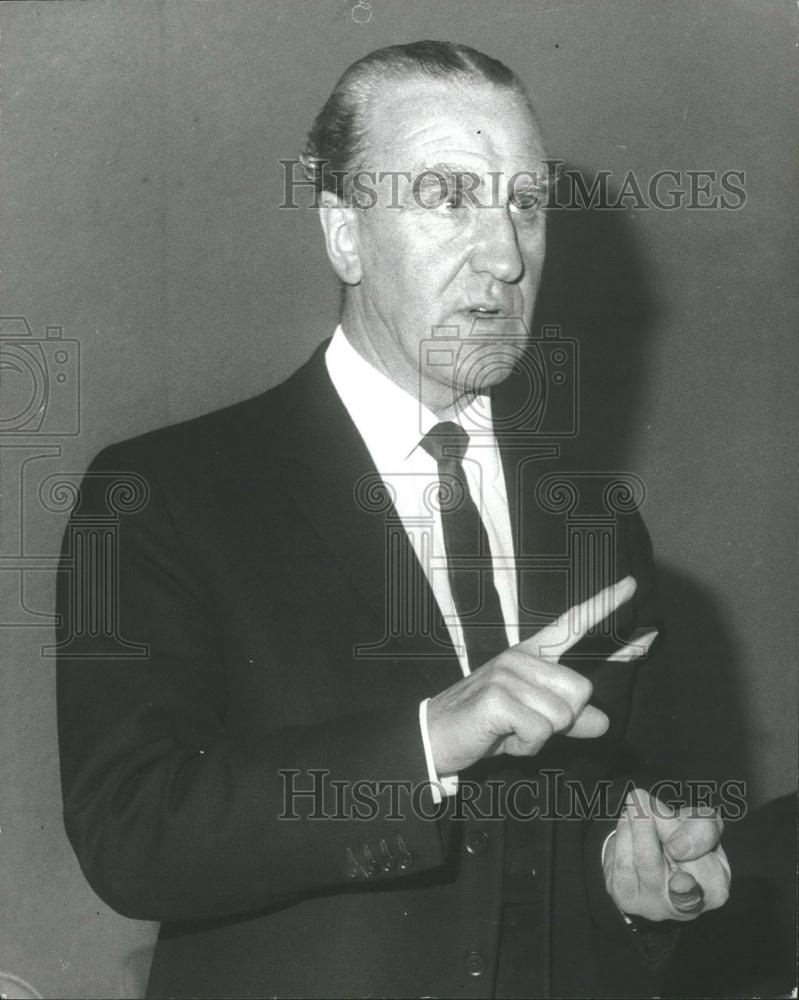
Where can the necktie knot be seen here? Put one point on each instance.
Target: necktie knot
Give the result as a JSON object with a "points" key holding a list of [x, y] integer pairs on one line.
{"points": [[446, 441]]}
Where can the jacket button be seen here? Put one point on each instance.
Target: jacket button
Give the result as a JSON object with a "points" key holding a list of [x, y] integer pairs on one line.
{"points": [[475, 964], [476, 841]]}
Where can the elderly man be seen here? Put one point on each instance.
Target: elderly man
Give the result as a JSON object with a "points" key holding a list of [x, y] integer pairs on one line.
{"points": [[296, 748]]}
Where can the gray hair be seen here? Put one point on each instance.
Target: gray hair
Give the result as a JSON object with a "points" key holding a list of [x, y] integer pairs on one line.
{"points": [[337, 142]]}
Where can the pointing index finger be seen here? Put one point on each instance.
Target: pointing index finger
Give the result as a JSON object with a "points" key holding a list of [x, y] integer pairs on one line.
{"points": [[573, 625]]}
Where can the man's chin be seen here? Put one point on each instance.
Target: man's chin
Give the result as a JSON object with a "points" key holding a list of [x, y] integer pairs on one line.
{"points": [[488, 365]]}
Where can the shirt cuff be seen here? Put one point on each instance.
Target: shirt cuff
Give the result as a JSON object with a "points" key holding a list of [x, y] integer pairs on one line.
{"points": [[439, 786]]}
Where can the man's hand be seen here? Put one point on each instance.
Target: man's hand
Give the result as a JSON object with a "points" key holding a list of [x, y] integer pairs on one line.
{"points": [[664, 865], [514, 703]]}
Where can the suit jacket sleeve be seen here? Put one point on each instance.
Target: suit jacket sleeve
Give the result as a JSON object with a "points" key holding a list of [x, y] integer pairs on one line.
{"points": [[173, 815]]}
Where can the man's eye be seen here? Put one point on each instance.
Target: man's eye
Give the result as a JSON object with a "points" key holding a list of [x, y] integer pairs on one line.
{"points": [[527, 202], [454, 201]]}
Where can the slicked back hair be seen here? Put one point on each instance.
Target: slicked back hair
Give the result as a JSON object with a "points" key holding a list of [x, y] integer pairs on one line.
{"points": [[337, 143]]}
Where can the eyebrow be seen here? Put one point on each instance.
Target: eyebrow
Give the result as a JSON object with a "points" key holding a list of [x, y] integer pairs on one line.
{"points": [[523, 180]]}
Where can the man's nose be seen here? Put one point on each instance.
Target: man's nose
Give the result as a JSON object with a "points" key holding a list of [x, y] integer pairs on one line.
{"points": [[497, 250]]}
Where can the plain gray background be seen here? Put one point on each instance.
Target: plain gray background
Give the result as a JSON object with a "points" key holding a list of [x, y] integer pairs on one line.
{"points": [[139, 146]]}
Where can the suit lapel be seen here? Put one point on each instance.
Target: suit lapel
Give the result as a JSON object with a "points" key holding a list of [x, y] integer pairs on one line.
{"points": [[335, 485], [328, 470]]}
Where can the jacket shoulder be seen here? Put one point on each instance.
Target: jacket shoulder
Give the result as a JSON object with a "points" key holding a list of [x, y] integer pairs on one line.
{"points": [[215, 437]]}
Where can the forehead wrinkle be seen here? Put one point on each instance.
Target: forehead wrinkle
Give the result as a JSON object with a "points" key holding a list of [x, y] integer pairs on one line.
{"points": [[464, 131], [444, 135], [436, 142], [490, 151], [446, 168]]}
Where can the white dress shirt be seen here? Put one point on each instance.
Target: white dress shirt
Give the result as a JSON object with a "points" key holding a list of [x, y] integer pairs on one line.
{"points": [[392, 424]]}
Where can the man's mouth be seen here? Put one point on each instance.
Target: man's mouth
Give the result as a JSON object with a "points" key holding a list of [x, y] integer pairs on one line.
{"points": [[486, 310]]}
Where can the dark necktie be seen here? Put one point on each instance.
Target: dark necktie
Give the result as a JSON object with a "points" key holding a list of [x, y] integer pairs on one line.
{"points": [[469, 567]]}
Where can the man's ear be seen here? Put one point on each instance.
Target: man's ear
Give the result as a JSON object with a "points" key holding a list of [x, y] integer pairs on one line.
{"points": [[340, 226]]}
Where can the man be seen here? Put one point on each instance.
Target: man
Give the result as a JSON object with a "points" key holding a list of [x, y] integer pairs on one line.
{"points": [[319, 630]]}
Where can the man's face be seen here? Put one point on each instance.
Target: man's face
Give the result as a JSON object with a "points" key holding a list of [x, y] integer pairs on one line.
{"points": [[472, 262]]}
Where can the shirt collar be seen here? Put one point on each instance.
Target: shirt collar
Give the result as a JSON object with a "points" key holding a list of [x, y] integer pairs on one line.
{"points": [[391, 421]]}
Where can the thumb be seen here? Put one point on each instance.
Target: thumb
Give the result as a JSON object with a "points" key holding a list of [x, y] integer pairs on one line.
{"points": [[589, 724], [685, 893]]}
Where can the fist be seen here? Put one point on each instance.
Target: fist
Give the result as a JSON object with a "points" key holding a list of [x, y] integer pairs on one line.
{"points": [[665, 865]]}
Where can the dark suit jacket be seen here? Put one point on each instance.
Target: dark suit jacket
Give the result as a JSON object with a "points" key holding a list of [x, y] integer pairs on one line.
{"points": [[216, 578]]}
